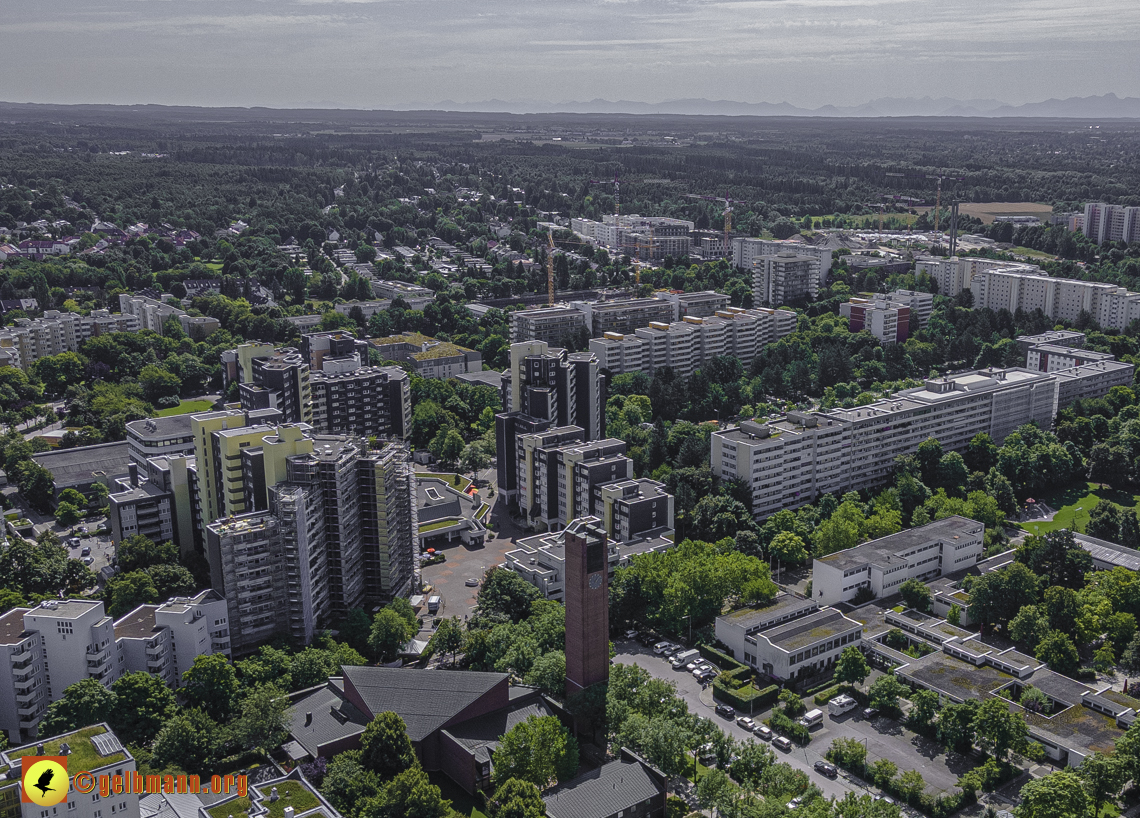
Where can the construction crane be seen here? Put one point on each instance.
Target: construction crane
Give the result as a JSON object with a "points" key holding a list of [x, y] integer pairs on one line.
{"points": [[728, 203], [550, 268], [939, 177]]}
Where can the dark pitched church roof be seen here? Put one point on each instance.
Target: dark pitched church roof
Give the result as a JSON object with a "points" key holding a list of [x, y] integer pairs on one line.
{"points": [[425, 699], [604, 792]]}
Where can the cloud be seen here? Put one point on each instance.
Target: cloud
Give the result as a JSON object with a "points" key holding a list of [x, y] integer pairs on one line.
{"points": [[373, 53]]}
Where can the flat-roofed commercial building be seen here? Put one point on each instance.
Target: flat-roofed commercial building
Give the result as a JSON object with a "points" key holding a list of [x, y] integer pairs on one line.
{"points": [[924, 553], [790, 638]]}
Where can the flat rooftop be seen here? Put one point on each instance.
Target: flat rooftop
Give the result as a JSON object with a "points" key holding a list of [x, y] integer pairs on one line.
{"points": [[785, 604], [883, 551], [138, 624], [12, 626], [957, 679], [809, 630], [161, 428], [64, 608]]}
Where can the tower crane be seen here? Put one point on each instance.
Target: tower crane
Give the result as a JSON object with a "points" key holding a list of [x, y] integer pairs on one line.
{"points": [[728, 203], [939, 177]]}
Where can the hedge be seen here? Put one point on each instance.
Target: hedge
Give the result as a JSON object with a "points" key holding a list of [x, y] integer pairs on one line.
{"points": [[747, 699], [829, 694], [721, 660]]}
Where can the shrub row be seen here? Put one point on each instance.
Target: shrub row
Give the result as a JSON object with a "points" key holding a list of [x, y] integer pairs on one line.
{"points": [[748, 699]]}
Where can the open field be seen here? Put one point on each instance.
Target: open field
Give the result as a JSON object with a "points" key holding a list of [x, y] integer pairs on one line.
{"points": [[987, 210], [1074, 505]]}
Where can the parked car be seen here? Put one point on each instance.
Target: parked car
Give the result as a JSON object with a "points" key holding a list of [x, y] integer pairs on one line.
{"points": [[646, 639], [631, 634], [88, 560], [73, 542], [827, 769], [669, 651], [795, 802], [747, 723], [886, 799], [764, 732], [702, 669], [783, 742], [706, 676], [725, 712], [870, 712], [86, 551], [660, 648], [693, 665]]}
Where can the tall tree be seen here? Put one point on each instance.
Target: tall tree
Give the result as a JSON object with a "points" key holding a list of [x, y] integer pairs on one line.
{"points": [[539, 750], [211, 684], [385, 748]]}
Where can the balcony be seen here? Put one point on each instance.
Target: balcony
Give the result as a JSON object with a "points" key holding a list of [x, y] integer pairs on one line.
{"points": [[28, 711], [23, 656], [28, 696]]}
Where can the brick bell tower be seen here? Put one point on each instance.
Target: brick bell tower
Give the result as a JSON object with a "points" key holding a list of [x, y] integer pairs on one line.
{"points": [[587, 596]]}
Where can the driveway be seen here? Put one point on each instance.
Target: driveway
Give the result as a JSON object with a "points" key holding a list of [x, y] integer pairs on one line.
{"points": [[632, 653]]}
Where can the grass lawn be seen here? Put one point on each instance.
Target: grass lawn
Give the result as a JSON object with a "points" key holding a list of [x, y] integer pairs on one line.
{"points": [[438, 524], [186, 407], [216, 266], [1074, 504], [1029, 251]]}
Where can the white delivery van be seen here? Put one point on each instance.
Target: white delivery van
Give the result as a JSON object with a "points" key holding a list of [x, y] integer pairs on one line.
{"points": [[812, 718], [840, 705], [683, 658]]}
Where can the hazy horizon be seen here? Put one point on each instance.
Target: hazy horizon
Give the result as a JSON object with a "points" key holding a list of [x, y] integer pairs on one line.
{"points": [[401, 54]]}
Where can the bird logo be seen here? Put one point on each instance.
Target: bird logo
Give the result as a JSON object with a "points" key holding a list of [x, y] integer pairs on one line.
{"points": [[44, 780]]}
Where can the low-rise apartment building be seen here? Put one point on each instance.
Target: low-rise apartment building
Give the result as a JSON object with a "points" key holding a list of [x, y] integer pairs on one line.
{"points": [[886, 321], [1053, 357], [550, 325], [428, 357], [924, 553], [541, 559]]}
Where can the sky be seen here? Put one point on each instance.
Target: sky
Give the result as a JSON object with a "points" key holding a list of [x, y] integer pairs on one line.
{"points": [[417, 53]]}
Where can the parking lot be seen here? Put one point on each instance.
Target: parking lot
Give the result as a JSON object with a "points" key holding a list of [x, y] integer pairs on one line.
{"points": [[448, 578], [883, 737]]}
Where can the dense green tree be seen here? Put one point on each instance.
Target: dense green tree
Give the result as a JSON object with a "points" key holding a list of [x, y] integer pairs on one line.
{"points": [[211, 684], [516, 799], [188, 740], [348, 784], [1060, 794], [262, 724], [390, 632], [539, 750], [997, 597], [885, 692], [852, 666], [1057, 557], [127, 591], [448, 638], [504, 593], [385, 748], [1058, 651], [138, 552], [916, 595], [143, 704], [1030, 626], [788, 549], [1103, 776], [924, 707], [409, 795], [998, 730], [84, 703]]}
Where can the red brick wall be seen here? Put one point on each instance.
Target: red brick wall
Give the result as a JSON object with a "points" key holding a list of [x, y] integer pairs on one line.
{"points": [[587, 620]]}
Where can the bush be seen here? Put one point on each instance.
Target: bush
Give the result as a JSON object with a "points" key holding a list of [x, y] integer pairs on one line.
{"points": [[829, 694], [748, 699], [863, 595], [786, 727], [168, 402]]}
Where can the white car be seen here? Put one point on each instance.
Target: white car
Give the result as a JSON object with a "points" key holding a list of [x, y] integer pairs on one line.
{"points": [[700, 669], [747, 723], [764, 732]]}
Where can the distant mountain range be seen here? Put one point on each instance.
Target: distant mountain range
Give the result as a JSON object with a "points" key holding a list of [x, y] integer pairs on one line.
{"points": [[1108, 106]]}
